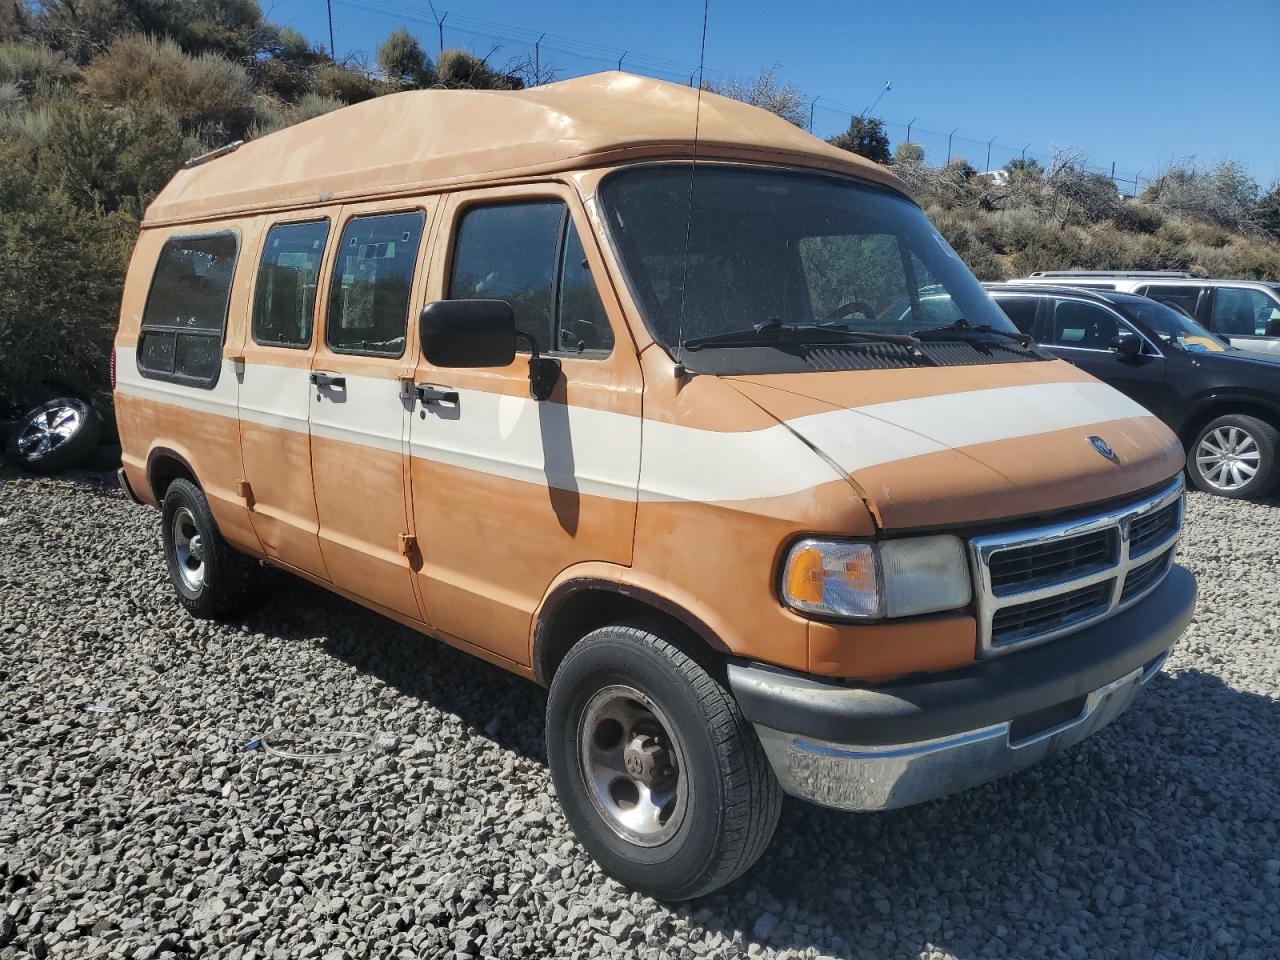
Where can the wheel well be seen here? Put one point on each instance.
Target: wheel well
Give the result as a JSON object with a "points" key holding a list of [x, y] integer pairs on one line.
{"points": [[576, 608], [1195, 423], [164, 468]]}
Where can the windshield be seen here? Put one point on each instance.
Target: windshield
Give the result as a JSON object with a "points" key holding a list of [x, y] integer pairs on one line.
{"points": [[777, 258], [1173, 326]]}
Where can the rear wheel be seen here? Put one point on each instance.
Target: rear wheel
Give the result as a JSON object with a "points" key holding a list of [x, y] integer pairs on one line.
{"points": [[1235, 456], [55, 436], [659, 774], [211, 578]]}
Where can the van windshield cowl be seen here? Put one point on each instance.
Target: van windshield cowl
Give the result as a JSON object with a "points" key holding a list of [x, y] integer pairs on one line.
{"points": [[790, 271]]}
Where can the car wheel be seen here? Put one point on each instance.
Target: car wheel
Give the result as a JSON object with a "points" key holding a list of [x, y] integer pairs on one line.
{"points": [[1235, 456], [55, 436], [212, 579], [659, 774]]}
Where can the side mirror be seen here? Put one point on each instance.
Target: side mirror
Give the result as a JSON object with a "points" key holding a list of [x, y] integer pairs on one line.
{"points": [[1127, 346], [468, 333]]}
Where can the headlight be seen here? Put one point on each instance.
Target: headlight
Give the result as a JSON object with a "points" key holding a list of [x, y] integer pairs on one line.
{"points": [[861, 580]]}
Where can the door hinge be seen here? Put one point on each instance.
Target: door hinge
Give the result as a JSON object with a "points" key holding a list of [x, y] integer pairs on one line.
{"points": [[245, 492], [408, 544]]}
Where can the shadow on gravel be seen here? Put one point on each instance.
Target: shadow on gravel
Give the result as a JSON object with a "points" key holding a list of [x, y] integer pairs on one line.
{"points": [[1151, 839]]}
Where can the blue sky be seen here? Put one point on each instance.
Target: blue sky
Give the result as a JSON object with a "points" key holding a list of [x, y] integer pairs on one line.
{"points": [[1140, 84]]}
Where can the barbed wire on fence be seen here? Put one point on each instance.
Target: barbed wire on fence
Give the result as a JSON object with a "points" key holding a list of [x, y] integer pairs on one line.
{"points": [[828, 115]]}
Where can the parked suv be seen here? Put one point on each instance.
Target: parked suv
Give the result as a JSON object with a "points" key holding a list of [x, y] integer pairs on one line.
{"points": [[1223, 402], [1247, 312], [758, 529]]}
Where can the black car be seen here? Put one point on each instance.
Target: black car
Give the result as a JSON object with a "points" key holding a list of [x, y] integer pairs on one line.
{"points": [[1223, 403]]}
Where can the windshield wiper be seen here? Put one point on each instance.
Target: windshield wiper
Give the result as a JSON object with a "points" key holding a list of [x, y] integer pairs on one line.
{"points": [[965, 326], [753, 336]]}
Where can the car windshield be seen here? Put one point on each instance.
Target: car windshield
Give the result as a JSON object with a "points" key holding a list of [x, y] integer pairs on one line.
{"points": [[778, 257], [1173, 327]]}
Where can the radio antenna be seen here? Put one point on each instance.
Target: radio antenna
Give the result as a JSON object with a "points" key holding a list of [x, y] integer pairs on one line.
{"points": [[688, 223]]}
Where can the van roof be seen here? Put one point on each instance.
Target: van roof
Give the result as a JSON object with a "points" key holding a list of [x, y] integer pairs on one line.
{"points": [[427, 139]]}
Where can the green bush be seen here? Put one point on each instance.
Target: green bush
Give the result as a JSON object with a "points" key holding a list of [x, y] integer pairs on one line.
{"points": [[458, 68], [1137, 217], [403, 61], [33, 69], [345, 84]]}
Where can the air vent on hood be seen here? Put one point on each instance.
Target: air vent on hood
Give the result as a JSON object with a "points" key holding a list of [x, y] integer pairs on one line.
{"points": [[937, 353]]}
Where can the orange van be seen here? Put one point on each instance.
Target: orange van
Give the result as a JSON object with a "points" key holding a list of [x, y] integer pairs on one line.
{"points": [[662, 403]]}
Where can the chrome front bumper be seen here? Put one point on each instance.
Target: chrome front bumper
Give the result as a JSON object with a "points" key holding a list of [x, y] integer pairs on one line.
{"points": [[883, 777]]}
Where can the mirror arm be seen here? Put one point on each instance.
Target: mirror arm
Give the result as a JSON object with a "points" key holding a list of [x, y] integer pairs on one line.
{"points": [[543, 371]]}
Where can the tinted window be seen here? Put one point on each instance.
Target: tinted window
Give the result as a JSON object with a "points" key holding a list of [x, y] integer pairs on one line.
{"points": [[581, 323], [1021, 310], [186, 311], [372, 278], [1084, 325], [1184, 297], [284, 296], [508, 253], [1244, 312]]}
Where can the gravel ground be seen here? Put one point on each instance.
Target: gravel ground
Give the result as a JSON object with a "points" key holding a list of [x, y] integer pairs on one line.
{"points": [[134, 823]]}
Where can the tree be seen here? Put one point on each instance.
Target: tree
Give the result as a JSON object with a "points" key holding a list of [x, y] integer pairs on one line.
{"points": [[766, 92], [1269, 211], [866, 138], [908, 153], [404, 62]]}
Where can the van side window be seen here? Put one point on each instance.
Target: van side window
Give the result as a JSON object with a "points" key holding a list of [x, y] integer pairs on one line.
{"points": [[530, 255], [1240, 311], [372, 279], [185, 316], [284, 296], [1185, 297]]}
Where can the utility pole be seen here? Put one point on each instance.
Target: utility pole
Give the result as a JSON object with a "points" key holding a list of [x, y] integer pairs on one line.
{"points": [[813, 103], [623, 57], [909, 125], [1024, 154], [949, 136], [333, 53], [989, 143], [439, 22], [537, 58]]}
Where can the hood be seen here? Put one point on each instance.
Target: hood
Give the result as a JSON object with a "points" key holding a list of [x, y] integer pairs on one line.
{"points": [[953, 446]]}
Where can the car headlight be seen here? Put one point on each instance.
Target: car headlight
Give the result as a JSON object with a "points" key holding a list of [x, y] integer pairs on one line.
{"points": [[860, 580]]}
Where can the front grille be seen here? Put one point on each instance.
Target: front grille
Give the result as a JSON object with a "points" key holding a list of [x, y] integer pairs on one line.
{"points": [[1058, 561], [1142, 578], [1015, 623], [1037, 584], [1150, 531]]}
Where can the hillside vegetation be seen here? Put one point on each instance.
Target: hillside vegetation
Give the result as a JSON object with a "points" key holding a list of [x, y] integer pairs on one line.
{"points": [[102, 100]]}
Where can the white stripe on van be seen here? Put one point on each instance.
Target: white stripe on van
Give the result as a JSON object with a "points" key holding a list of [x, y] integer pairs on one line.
{"points": [[596, 451]]}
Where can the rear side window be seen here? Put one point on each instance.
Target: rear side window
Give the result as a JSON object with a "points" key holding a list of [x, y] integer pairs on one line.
{"points": [[1021, 310], [186, 313], [1241, 311], [284, 296], [1184, 298], [530, 255], [372, 279]]}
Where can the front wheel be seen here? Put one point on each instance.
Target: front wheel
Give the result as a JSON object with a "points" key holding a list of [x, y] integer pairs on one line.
{"points": [[1235, 456], [661, 777]]}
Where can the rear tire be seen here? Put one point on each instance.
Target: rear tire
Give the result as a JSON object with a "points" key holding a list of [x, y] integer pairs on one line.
{"points": [[659, 774], [1235, 456], [55, 436], [211, 578]]}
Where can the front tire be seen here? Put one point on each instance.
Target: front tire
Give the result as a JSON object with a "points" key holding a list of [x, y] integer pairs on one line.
{"points": [[1235, 456], [211, 578], [659, 774]]}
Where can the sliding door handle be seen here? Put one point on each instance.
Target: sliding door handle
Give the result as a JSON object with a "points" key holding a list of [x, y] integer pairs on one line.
{"points": [[322, 378], [430, 393]]}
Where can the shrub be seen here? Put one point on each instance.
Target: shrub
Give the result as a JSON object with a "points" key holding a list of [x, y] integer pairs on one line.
{"points": [[764, 90], [313, 105], [1137, 217], [1224, 195], [404, 62], [344, 83], [205, 92], [32, 68], [908, 153], [459, 68]]}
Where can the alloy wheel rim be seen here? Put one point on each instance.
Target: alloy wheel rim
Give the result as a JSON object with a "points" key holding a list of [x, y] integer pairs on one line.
{"points": [[188, 547], [632, 766], [1228, 458], [48, 431]]}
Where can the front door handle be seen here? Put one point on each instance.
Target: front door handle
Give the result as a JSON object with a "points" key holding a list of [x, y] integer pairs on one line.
{"points": [[430, 393], [322, 378]]}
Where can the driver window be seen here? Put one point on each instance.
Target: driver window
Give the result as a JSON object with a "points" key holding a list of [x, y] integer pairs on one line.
{"points": [[1241, 312], [1082, 325]]}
